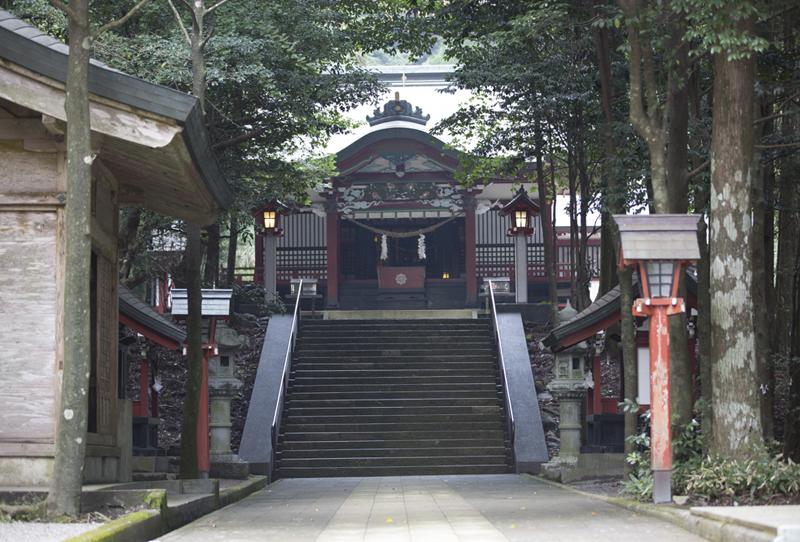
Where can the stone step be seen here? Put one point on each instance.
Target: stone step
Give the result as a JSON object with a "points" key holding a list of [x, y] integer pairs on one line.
{"points": [[437, 451], [365, 366], [430, 432], [323, 393], [369, 340], [388, 415], [296, 404], [382, 387], [396, 461], [383, 426], [379, 349], [311, 379], [393, 444], [451, 358], [408, 470]]}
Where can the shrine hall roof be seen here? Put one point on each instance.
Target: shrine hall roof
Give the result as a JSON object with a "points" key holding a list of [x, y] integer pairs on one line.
{"points": [[602, 313], [145, 316], [32, 49]]}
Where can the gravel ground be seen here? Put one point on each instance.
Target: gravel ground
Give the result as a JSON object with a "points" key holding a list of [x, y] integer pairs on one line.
{"points": [[18, 531]]}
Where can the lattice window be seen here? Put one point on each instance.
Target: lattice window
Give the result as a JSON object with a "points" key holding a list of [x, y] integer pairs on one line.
{"points": [[494, 260], [302, 262]]}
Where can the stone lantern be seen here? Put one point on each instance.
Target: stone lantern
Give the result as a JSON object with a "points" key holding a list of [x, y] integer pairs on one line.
{"points": [[222, 388], [569, 387], [521, 210]]}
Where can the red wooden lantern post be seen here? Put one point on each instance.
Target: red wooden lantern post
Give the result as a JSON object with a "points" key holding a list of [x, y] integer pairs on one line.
{"points": [[661, 246], [268, 229], [521, 209]]}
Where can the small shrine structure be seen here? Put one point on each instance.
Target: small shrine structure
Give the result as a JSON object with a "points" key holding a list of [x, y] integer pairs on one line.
{"points": [[151, 150]]}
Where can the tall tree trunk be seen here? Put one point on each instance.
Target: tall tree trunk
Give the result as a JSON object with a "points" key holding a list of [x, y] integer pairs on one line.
{"points": [[786, 328], [791, 433], [211, 273], [584, 270], [233, 245], [572, 177], [547, 233], [70, 440], [194, 361], [736, 405], [704, 321], [760, 287], [194, 257], [612, 193], [130, 238], [630, 362]]}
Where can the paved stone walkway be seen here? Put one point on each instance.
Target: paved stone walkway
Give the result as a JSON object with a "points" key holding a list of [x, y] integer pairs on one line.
{"points": [[490, 508]]}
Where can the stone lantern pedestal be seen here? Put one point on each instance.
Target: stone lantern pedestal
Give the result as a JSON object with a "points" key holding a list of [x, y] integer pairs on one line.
{"points": [[569, 388], [222, 388]]}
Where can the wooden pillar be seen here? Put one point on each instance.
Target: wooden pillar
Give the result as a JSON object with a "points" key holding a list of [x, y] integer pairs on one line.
{"points": [[270, 266], [597, 377], [332, 231], [258, 273], [203, 461], [521, 267], [470, 254]]}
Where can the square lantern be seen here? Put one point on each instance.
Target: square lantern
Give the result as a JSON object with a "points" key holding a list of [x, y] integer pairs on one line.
{"points": [[268, 217], [660, 246], [521, 210]]}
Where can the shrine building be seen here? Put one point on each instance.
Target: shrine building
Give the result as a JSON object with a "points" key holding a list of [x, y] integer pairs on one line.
{"points": [[151, 150], [395, 229]]}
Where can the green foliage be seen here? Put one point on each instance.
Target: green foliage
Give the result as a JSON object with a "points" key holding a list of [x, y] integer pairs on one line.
{"points": [[762, 479], [706, 479], [717, 26]]}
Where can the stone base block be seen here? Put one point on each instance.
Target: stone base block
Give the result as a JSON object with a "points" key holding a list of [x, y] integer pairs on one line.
{"points": [[230, 470], [584, 467]]}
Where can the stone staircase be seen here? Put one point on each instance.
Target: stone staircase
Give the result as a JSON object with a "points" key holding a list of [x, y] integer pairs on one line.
{"points": [[393, 397]]}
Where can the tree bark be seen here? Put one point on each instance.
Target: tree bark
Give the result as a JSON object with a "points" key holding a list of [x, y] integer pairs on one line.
{"points": [[194, 340], [193, 260], [760, 286], [736, 407], [130, 238], [791, 433], [547, 233], [233, 245], [612, 193], [630, 362], [704, 322], [211, 273], [70, 440]]}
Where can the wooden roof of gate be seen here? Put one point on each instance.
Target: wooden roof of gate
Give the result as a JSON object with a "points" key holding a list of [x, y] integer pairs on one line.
{"points": [[153, 137]]}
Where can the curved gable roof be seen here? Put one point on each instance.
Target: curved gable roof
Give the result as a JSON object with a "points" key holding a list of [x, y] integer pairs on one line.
{"points": [[30, 48]]}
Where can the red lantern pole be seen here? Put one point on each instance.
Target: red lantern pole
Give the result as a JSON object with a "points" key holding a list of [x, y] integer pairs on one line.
{"points": [[659, 310]]}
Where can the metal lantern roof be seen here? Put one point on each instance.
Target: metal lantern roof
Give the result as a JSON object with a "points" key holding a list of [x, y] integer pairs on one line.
{"points": [[216, 302], [658, 237]]}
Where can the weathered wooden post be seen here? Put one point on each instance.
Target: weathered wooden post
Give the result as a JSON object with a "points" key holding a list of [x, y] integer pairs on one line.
{"points": [[521, 209], [661, 246]]}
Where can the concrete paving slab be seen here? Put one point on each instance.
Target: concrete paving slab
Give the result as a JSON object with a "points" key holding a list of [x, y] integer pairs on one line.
{"points": [[491, 508], [766, 518]]}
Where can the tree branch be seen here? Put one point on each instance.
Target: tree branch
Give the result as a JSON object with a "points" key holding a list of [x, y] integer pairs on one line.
{"points": [[239, 139], [698, 169], [215, 6], [111, 25], [636, 113], [180, 22], [58, 4], [793, 145]]}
